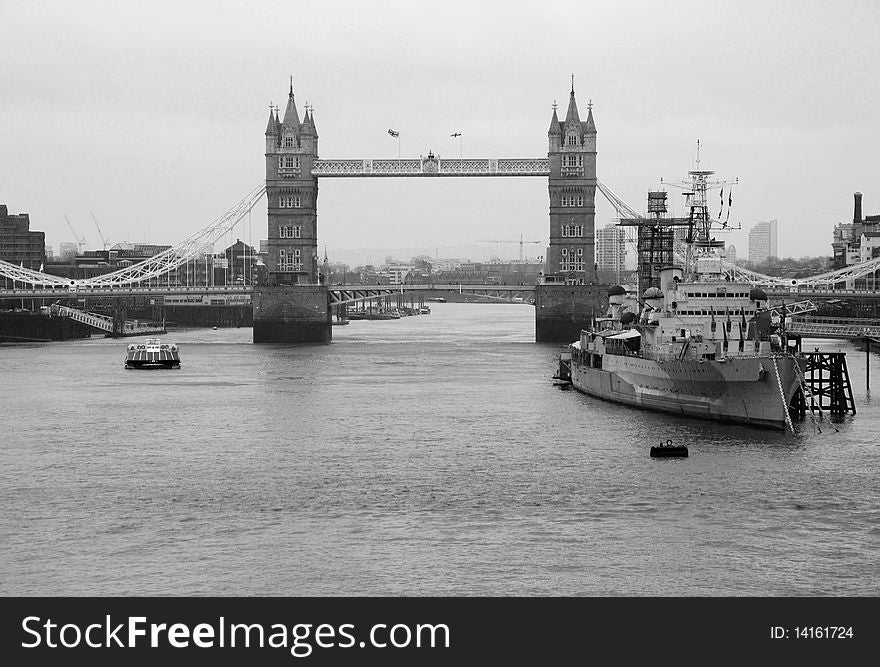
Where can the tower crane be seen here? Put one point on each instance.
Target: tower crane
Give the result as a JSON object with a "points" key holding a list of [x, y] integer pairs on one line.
{"points": [[521, 242], [104, 240], [80, 240]]}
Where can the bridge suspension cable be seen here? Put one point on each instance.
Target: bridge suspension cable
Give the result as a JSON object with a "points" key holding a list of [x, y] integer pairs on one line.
{"points": [[158, 265]]}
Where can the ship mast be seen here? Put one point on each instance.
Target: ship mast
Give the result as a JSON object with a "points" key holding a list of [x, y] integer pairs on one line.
{"points": [[699, 239]]}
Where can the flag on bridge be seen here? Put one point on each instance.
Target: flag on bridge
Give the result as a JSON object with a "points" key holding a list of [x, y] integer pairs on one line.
{"points": [[393, 133], [455, 134]]}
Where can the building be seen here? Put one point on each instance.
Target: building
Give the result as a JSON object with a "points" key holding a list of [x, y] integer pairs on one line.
{"points": [[730, 253], [18, 244], [763, 242], [292, 194], [854, 242], [398, 272], [242, 263], [611, 249], [572, 186]]}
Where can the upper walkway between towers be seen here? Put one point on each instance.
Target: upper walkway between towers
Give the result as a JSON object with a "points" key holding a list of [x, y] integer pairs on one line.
{"points": [[433, 166]]}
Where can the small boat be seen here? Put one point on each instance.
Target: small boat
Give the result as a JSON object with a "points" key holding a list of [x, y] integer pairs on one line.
{"points": [[152, 354], [425, 310], [669, 450]]}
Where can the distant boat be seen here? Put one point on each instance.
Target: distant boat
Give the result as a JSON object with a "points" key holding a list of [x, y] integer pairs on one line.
{"points": [[436, 299], [152, 354]]}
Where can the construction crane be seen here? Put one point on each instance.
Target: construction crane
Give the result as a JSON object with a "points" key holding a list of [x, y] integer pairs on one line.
{"points": [[105, 241], [521, 242], [80, 240]]}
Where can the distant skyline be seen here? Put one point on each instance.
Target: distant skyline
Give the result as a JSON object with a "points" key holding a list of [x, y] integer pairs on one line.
{"points": [[152, 116]]}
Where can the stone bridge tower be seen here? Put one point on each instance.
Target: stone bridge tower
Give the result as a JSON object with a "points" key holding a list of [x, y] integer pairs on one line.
{"points": [[292, 194], [569, 297], [293, 306], [572, 186]]}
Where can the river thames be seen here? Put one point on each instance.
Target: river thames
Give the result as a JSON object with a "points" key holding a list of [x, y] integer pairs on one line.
{"points": [[424, 456]]}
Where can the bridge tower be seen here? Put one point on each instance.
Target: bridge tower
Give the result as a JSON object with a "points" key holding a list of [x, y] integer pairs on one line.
{"points": [[292, 194], [572, 188], [293, 306], [568, 298]]}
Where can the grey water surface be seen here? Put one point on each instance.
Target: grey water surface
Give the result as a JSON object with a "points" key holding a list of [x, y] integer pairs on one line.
{"points": [[424, 456]]}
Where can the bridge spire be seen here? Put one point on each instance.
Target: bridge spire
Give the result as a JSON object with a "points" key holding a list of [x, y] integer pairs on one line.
{"points": [[572, 114], [291, 115]]}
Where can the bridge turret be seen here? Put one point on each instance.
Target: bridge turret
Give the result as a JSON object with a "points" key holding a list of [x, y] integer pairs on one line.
{"points": [[554, 134], [590, 129], [271, 132], [308, 132]]}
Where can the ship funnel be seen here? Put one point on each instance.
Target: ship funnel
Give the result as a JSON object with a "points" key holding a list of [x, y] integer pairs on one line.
{"points": [[857, 207], [668, 275]]}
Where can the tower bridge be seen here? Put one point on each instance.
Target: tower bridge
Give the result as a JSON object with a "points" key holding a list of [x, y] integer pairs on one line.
{"points": [[295, 305]]}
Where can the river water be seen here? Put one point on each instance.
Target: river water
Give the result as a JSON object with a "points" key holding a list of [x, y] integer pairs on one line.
{"points": [[425, 456]]}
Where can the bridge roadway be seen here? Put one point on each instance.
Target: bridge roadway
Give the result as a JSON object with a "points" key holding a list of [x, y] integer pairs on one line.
{"points": [[338, 293], [65, 292]]}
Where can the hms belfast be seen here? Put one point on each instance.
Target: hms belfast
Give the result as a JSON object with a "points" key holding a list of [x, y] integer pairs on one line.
{"points": [[693, 343]]}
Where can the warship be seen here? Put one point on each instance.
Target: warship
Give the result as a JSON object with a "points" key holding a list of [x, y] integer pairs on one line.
{"points": [[692, 341]]}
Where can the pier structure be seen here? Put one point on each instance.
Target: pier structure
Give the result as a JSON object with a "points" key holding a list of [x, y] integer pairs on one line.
{"points": [[825, 387]]}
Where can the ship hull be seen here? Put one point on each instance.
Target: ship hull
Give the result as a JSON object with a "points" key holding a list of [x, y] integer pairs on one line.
{"points": [[146, 365], [737, 391]]}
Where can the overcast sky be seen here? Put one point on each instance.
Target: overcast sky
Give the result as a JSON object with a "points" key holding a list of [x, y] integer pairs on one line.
{"points": [[153, 114]]}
